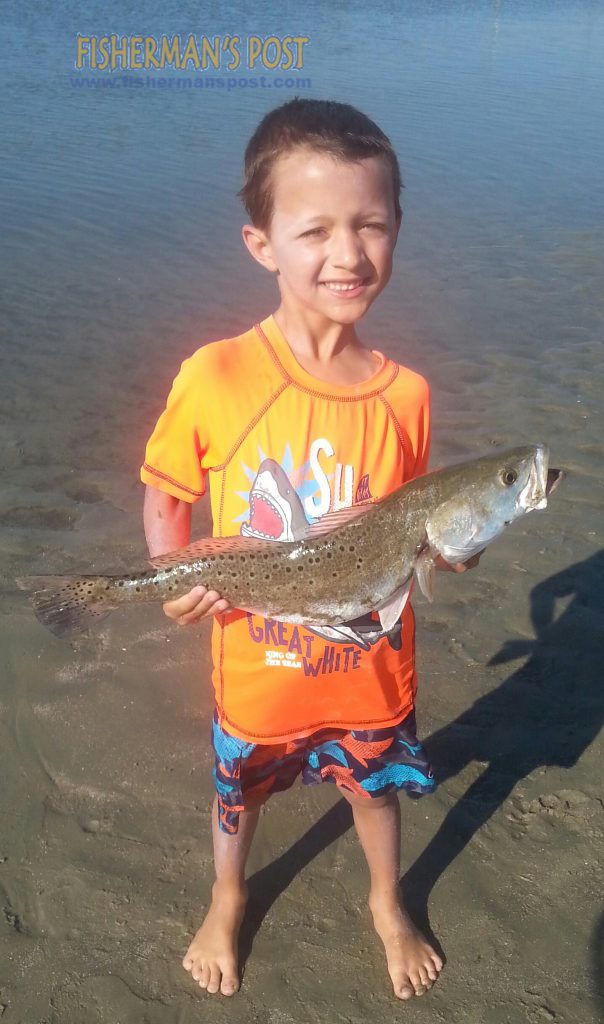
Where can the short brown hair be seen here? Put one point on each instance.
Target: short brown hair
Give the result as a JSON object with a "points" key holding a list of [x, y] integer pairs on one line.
{"points": [[338, 129]]}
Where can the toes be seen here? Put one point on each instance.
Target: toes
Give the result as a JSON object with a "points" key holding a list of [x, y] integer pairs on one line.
{"points": [[200, 974], [431, 971], [416, 983], [215, 977], [212, 976], [425, 978], [438, 963], [405, 992], [229, 986]]}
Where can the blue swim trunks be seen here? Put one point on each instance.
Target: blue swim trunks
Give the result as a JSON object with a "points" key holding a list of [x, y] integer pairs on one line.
{"points": [[369, 763]]}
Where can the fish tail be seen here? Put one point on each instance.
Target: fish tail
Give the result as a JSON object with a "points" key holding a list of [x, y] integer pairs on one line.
{"points": [[66, 604]]}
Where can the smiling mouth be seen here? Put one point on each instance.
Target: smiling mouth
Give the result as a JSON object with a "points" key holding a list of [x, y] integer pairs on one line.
{"points": [[345, 287]]}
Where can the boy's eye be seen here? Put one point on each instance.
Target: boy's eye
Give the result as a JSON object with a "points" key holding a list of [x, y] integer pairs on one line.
{"points": [[375, 226], [312, 232]]}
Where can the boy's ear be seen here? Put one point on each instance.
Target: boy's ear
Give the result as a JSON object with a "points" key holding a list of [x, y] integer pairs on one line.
{"points": [[258, 244]]}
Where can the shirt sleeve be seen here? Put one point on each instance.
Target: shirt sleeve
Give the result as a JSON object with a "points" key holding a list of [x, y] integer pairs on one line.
{"points": [[422, 450], [176, 455], [409, 400]]}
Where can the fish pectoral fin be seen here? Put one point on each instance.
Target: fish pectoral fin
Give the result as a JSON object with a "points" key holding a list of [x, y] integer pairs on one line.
{"points": [[424, 570], [392, 609]]}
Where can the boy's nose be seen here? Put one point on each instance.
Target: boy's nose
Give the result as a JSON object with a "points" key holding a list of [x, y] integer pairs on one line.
{"points": [[347, 251]]}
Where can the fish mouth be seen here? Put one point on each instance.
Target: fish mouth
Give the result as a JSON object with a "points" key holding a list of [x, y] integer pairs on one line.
{"points": [[542, 480], [534, 493], [554, 478]]}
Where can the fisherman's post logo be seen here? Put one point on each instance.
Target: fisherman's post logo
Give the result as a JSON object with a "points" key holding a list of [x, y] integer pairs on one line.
{"points": [[191, 52]]}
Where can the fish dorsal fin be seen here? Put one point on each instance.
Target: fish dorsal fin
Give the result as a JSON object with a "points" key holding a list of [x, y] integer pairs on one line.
{"points": [[197, 549], [392, 609], [338, 517], [212, 546]]}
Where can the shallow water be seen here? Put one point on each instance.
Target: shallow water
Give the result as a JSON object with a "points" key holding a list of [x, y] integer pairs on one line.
{"points": [[121, 225], [121, 254]]}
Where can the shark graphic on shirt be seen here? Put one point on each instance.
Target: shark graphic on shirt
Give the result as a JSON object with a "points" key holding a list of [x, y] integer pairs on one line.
{"points": [[276, 513]]}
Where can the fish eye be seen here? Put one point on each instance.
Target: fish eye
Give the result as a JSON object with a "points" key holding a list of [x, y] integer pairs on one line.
{"points": [[509, 477]]}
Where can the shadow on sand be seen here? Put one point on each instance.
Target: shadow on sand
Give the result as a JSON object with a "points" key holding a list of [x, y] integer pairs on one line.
{"points": [[558, 690]]}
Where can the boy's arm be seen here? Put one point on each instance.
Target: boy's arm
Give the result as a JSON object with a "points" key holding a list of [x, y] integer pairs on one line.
{"points": [[167, 522]]}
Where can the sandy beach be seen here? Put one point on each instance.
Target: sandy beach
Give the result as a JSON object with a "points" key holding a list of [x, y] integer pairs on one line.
{"points": [[122, 255], [106, 861]]}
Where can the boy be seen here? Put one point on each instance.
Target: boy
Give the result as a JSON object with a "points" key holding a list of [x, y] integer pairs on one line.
{"points": [[291, 420]]}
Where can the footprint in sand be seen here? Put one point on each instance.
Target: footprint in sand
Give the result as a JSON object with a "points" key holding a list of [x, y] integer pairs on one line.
{"points": [[88, 494], [576, 811], [40, 518], [538, 1012]]}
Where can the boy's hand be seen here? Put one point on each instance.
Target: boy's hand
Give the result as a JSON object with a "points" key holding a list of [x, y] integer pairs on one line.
{"points": [[440, 563], [198, 604]]}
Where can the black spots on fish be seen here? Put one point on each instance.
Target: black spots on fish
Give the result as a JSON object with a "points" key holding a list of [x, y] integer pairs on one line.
{"points": [[300, 568], [329, 554], [121, 583], [288, 568]]}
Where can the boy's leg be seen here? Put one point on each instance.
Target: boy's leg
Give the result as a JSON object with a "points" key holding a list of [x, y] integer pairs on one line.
{"points": [[412, 963], [212, 956]]}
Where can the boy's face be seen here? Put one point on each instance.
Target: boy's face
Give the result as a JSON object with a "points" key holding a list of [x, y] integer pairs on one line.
{"points": [[332, 235]]}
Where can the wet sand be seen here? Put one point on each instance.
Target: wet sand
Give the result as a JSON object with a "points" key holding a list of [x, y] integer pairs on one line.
{"points": [[105, 861]]}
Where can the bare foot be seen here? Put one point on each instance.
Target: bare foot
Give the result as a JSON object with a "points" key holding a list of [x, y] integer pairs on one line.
{"points": [[412, 963], [212, 956]]}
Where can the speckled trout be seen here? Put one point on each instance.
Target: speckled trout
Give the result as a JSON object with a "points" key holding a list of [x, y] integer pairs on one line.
{"points": [[349, 563]]}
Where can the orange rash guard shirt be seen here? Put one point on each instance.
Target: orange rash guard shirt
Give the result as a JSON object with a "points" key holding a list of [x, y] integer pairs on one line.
{"points": [[280, 448]]}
